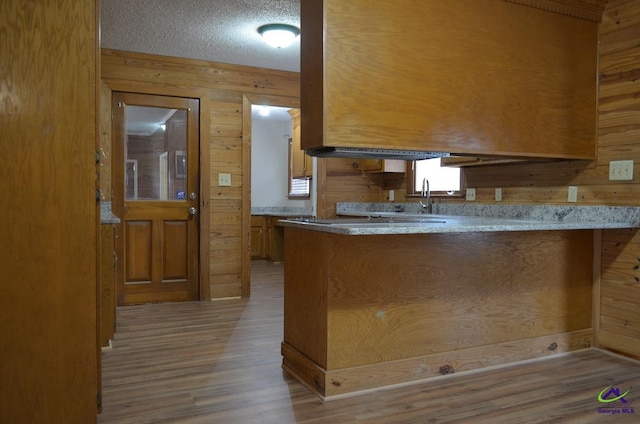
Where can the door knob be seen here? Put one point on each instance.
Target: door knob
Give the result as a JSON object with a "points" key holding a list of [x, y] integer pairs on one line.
{"points": [[193, 211]]}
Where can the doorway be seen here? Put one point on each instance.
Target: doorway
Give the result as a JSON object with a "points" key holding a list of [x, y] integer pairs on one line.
{"points": [[155, 194]]}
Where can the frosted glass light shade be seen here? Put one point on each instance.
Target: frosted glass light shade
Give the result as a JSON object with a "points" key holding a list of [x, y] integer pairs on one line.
{"points": [[279, 35]]}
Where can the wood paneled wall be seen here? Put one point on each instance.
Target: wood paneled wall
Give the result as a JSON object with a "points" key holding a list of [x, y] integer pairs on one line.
{"points": [[222, 90], [48, 237], [342, 180]]}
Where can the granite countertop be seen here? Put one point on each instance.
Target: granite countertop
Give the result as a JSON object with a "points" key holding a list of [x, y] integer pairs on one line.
{"points": [[106, 216], [284, 212], [478, 218]]}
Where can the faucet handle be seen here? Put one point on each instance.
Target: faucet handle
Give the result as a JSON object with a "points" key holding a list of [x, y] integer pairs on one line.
{"points": [[427, 207]]}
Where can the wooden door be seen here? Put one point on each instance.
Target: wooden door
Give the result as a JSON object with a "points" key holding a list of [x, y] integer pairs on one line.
{"points": [[155, 194], [49, 74]]}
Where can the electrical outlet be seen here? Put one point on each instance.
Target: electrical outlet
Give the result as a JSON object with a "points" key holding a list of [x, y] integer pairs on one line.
{"points": [[471, 195], [621, 170], [573, 194], [224, 180], [498, 194]]}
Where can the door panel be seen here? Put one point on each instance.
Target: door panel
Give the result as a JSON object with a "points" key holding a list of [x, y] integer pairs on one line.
{"points": [[175, 264], [156, 151], [138, 239]]}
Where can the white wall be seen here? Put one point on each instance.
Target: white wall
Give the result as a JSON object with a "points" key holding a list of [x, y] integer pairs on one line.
{"points": [[269, 160]]}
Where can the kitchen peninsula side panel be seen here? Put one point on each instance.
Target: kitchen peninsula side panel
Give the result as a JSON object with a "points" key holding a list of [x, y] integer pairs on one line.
{"points": [[368, 311]]}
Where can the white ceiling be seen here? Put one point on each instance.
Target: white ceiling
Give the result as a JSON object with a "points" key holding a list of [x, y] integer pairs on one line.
{"points": [[222, 31]]}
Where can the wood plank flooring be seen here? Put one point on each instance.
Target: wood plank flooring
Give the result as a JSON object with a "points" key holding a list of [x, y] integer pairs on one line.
{"points": [[219, 362]]}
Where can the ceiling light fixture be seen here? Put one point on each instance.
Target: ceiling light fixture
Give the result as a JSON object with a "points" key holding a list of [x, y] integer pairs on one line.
{"points": [[279, 35]]}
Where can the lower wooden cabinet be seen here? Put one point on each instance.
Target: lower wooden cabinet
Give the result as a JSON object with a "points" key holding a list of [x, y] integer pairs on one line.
{"points": [[267, 238], [257, 237]]}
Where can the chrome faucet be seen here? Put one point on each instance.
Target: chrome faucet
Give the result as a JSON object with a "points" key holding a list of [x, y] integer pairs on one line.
{"points": [[426, 193]]}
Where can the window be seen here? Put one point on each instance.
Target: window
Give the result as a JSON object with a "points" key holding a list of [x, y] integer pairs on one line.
{"points": [[442, 180], [299, 187]]}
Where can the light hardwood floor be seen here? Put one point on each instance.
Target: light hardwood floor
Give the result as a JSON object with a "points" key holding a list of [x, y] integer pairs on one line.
{"points": [[219, 362]]}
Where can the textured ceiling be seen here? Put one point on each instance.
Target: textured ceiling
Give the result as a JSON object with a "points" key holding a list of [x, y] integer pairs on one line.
{"points": [[225, 31], [222, 31]]}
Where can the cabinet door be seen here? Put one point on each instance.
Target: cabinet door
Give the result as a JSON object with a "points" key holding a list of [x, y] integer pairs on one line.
{"points": [[268, 236], [301, 164], [257, 237], [515, 88], [257, 243], [297, 156], [308, 165]]}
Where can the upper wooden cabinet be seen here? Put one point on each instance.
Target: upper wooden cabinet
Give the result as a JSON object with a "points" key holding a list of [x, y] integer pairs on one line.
{"points": [[467, 77], [374, 166], [301, 163]]}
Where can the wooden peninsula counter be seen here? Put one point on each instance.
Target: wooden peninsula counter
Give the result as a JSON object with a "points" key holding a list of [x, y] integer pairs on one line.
{"points": [[377, 302]]}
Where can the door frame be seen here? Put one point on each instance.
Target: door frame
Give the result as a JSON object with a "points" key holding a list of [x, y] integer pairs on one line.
{"points": [[249, 100], [204, 292]]}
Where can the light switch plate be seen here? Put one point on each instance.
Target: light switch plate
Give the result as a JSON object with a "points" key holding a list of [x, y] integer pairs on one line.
{"points": [[573, 194], [621, 170], [498, 194], [471, 195], [224, 180]]}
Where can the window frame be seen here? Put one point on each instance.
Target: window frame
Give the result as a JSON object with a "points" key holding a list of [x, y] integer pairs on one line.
{"points": [[295, 194]]}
